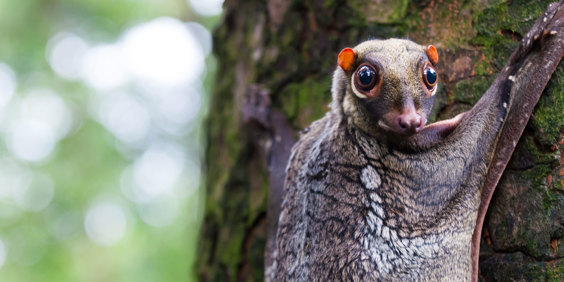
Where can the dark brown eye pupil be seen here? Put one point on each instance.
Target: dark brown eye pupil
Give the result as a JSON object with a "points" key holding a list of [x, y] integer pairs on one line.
{"points": [[430, 77], [366, 77]]}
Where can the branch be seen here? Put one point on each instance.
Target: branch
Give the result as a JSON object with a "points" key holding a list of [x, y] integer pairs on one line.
{"points": [[528, 71]]}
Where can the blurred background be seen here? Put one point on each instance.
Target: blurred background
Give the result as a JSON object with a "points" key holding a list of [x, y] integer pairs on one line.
{"points": [[101, 110]]}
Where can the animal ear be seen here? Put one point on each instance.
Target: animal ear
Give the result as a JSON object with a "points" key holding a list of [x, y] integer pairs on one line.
{"points": [[346, 59], [432, 54]]}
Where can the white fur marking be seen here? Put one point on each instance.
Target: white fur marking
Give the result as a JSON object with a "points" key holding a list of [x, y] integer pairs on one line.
{"points": [[386, 233], [374, 197], [379, 211], [370, 178]]}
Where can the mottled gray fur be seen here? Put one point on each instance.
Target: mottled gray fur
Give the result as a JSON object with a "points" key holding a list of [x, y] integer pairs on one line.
{"points": [[364, 204], [358, 208]]}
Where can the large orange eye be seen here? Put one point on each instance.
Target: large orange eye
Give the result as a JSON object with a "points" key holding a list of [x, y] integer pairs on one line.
{"points": [[430, 77], [365, 78]]}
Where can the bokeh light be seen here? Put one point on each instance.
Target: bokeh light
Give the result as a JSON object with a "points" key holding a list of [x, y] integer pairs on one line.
{"points": [[158, 169], [125, 116], [105, 223], [163, 52], [36, 194], [101, 110], [65, 53], [159, 212], [103, 67], [35, 123], [7, 84], [207, 7], [11, 177]]}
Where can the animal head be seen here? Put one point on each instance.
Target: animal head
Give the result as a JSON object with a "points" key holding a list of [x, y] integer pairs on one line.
{"points": [[386, 87]]}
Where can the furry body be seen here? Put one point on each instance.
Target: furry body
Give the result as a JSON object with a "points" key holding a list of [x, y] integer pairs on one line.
{"points": [[362, 204], [357, 208]]}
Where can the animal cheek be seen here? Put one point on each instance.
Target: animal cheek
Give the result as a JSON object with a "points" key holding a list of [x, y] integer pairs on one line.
{"points": [[426, 104]]}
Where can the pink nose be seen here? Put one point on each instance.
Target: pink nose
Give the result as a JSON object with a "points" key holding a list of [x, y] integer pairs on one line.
{"points": [[410, 121]]}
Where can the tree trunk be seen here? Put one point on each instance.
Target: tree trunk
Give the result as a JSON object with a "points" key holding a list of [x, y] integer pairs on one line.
{"points": [[274, 68]]}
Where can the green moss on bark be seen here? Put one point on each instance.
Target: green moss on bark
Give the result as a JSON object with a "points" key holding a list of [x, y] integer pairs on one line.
{"points": [[555, 270], [548, 120], [306, 101], [470, 91], [379, 11]]}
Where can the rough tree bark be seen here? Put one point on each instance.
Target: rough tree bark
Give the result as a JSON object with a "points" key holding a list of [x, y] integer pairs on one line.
{"points": [[275, 60]]}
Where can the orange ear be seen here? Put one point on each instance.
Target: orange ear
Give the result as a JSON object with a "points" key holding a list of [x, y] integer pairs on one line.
{"points": [[432, 54], [346, 59]]}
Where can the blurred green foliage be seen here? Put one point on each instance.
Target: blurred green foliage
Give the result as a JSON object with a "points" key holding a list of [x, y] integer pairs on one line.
{"points": [[88, 163]]}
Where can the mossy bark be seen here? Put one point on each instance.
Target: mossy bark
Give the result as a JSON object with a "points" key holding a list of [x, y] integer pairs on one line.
{"points": [[275, 60]]}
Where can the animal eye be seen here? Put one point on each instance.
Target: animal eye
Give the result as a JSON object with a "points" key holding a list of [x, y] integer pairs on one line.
{"points": [[366, 77], [430, 77]]}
